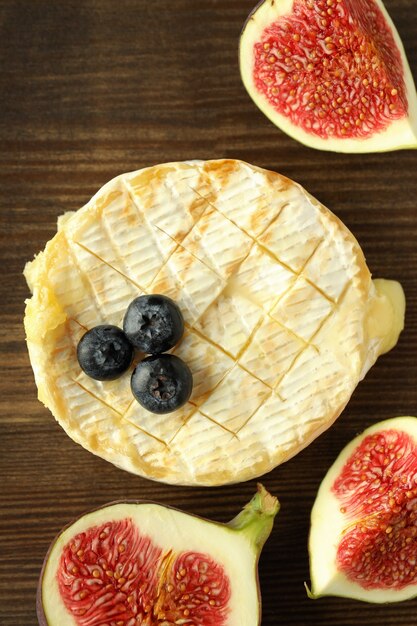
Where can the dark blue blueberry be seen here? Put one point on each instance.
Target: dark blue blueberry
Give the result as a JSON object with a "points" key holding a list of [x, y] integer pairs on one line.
{"points": [[162, 383], [104, 352], [153, 324]]}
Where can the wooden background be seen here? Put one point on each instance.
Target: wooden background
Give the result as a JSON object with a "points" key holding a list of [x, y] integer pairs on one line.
{"points": [[93, 88]]}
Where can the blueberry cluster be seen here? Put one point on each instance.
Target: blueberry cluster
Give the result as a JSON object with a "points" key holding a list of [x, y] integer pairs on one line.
{"points": [[153, 324]]}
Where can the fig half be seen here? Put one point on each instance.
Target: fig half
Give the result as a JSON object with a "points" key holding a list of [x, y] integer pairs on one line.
{"points": [[363, 540], [132, 563], [332, 74]]}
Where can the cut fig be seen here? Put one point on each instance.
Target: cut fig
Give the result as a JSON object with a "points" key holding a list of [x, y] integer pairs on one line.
{"points": [[332, 74], [363, 540], [132, 563]]}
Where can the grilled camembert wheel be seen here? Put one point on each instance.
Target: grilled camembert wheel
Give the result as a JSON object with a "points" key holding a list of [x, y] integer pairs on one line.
{"points": [[282, 318]]}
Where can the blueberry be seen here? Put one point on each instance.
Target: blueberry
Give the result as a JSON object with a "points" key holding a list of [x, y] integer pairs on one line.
{"points": [[153, 323], [104, 352], [162, 383]]}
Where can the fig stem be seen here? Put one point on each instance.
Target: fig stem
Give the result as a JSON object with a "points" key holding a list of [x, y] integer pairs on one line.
{"points": [[257, 517]]}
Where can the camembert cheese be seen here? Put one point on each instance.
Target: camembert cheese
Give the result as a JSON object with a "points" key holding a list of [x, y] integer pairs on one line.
{"points": [[282, 317]]}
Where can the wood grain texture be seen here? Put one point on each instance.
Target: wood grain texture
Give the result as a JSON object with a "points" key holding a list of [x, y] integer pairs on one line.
{"points": [[93, 88]]}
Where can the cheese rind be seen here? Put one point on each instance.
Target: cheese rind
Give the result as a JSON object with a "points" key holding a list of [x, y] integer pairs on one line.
{"points": [[276, 297]]}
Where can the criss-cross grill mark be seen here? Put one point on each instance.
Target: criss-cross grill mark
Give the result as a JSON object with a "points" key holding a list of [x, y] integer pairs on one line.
{"points": [[222, 426], [145, 432], [191, 327], [112, 267], [96, 397], [252, 335]]}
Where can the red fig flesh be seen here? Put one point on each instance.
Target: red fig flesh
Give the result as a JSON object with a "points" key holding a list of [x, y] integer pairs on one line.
{"points": [[113, 565], [142, 563], [363, 541], [331, 73]]}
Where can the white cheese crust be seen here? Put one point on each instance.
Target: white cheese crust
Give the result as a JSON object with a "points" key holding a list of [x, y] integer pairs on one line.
{"points": [[275, 294]]}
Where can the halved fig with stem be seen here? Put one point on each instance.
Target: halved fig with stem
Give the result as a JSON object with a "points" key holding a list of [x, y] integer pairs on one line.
{"points": [[363, 540], [132, 563], [333, 74]]}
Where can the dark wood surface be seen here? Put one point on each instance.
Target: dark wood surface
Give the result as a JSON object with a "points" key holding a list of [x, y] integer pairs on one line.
{"points": [[93, 88]]}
